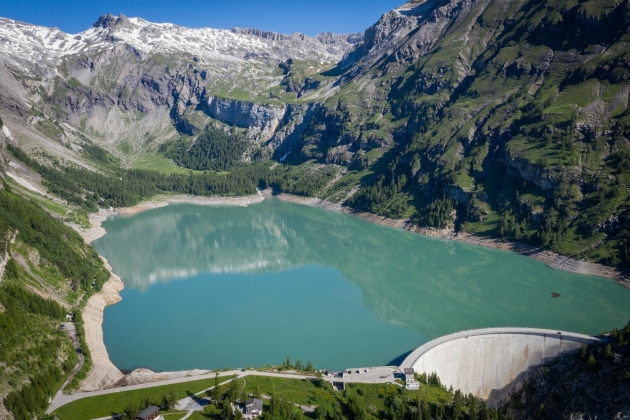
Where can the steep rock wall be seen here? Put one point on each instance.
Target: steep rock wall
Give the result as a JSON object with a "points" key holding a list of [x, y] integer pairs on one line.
{"points": [[253, 116]]}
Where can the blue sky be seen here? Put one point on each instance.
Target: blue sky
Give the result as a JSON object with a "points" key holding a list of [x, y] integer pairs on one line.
{"points": [[285, 16]]}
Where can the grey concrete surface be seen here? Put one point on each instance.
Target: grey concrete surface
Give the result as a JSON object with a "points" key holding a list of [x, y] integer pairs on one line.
{"points": [[374, 375], [492, 363]]}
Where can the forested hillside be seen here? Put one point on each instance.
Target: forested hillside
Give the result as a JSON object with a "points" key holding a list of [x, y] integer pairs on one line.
{"points": [[592, 384], [35, 355], [515, 114], [212, 150], [123, 188]]}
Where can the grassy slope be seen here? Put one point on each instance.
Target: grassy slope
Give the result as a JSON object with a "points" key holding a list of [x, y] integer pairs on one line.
{"points": [[48, 255], [106, 405], [307, 393]]}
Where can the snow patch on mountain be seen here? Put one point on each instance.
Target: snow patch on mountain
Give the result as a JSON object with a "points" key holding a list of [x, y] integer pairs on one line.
{"points": [[23, 44]]}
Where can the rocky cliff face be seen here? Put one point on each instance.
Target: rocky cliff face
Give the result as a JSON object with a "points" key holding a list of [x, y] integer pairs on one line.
{"points": [[334, 44], [253, 116], [505, 107], [571, 389], [280, 126], [126, 80], [410, 31], [511, 109]]}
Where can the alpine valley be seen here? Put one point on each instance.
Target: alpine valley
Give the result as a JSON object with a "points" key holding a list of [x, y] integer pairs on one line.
{"points": [[497, 122], [498, 118]]}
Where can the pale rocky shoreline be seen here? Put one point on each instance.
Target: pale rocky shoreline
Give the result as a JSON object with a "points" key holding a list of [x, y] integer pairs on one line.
{"points": [[96, 231], [550, 258], [163, 201], [105, 375], [103, 372]]}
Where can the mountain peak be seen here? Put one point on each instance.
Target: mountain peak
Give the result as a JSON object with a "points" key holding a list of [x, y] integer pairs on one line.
{"points": [[110, 21]]}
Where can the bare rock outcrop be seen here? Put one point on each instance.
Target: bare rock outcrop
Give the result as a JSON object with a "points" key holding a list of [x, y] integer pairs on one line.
{"points": [[253, 116], [5, 255], [127, 80]]}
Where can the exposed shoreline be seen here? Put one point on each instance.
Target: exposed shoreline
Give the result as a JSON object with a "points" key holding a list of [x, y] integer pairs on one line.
{"points": [[103, 372], [96, 231], [165, 200], [550, 258], [105, 375]]}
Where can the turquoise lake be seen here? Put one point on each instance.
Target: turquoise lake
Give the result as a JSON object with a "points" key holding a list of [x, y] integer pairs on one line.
{"points": [[216, 287]]}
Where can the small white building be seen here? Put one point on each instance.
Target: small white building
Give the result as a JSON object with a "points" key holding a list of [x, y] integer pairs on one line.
{"points": [[413, 385], [410, 379]]}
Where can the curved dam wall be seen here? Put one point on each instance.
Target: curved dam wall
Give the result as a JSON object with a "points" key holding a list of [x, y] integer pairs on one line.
{"points": [[492, 363]]}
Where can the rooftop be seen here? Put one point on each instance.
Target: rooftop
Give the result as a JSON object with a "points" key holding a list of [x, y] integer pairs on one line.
{"points": [[147, 412], [254, 403]]}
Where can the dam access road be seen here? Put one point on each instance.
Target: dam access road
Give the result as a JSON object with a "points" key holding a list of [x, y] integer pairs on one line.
{"points": [[489, 363], [374, 375]]}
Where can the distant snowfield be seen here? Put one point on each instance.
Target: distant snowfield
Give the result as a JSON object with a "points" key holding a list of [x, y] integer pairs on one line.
{"points": [[23, 41]]}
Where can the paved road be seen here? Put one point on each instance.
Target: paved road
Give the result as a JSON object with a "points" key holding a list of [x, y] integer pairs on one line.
{"points": [[373, 377], [197, 403], [415, 355], [189, 404], [61, 400], [70, 329], [381, 374], [305, 408]]}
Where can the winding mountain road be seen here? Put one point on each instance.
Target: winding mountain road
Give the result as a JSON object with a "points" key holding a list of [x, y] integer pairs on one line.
{"points": [[71, 330]]}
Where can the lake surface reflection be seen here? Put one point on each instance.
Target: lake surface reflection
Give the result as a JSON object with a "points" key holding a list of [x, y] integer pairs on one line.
{"points": [[210, 287]]}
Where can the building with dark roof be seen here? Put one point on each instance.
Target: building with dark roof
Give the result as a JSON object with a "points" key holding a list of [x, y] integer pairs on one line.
{"points": [[150, 413], [253, 407]]}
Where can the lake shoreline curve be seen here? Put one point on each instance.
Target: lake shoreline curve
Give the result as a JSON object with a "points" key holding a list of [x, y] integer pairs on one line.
{"points": [[105, 375], [550, 258]]}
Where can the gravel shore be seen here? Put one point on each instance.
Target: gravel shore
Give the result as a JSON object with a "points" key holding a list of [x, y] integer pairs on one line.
{"points": [[104, 374], [550, 258]]}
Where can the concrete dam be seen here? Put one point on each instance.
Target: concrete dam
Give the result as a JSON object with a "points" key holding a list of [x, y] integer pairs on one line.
{"points": [[492, 363]]}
